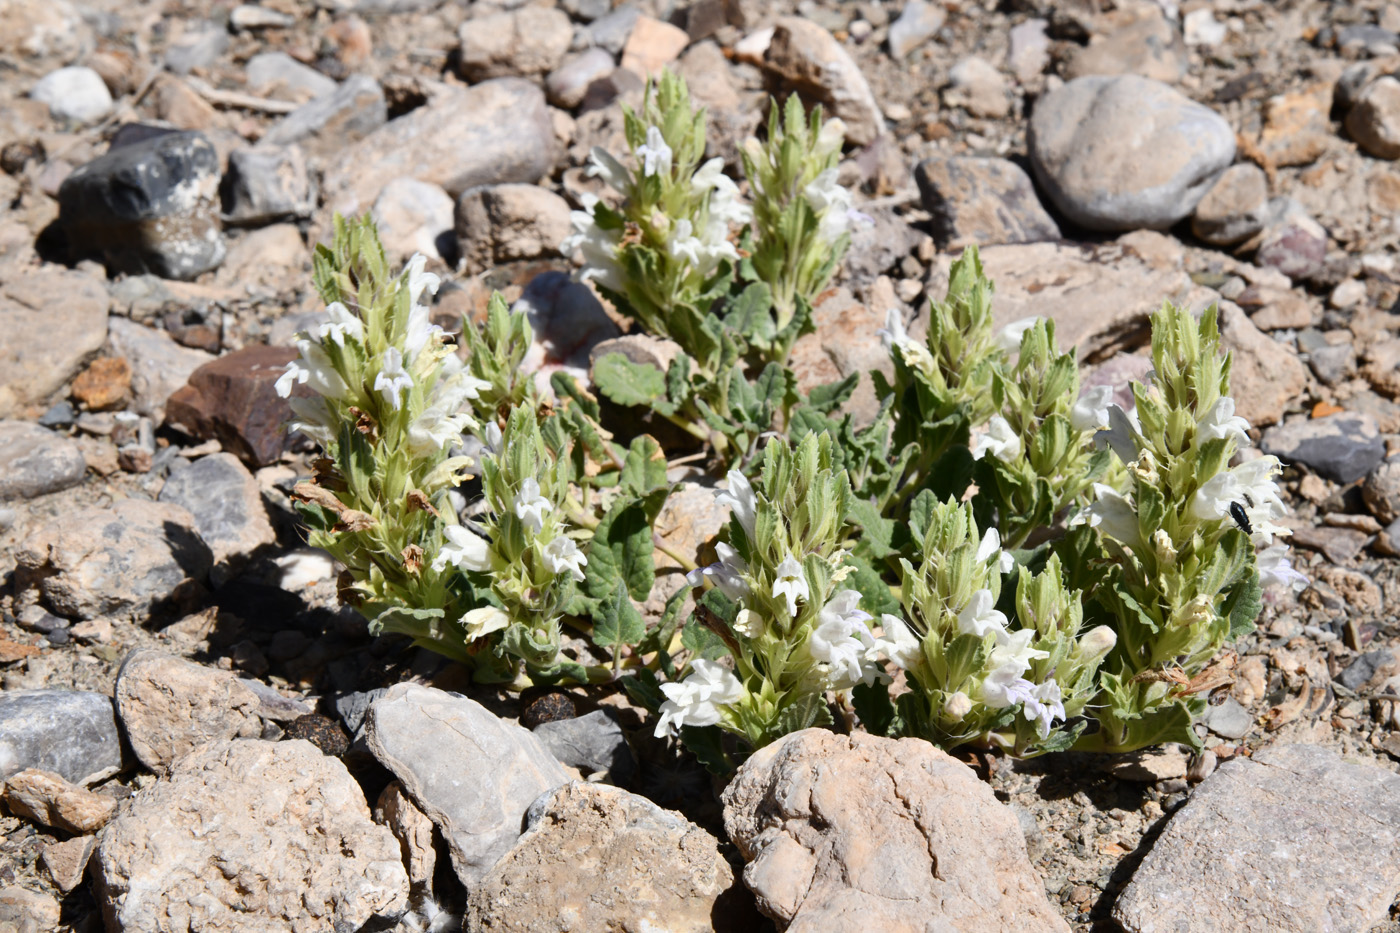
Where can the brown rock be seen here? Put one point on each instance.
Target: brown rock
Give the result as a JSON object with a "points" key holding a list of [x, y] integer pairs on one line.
{"points": [[1381, 491], [178, 104], [321, 731], [104, 385], [1265, 375], [845, 342], [1296, 128], [1235, 208], [805, 58], [1135, 39], [609, 860], [35, 306], [1292, 839], [67, 861], [1374, 120], [234, 400], [25, 911], [47, 799], [1381, 366], [652, 46], [981, 201], [170, 706], [414, 831], [505, 223]]}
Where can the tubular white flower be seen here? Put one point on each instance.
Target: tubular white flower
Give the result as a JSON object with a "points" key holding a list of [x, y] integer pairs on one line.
{"points": [[898, 642], [1275, 569], [420, 281], [1005, 686], [313, 418], [295, 375], [453, 391], [420, 330], [605, 166], [530, 506], [791, 584], [342, 324], [1220, 421], [830, 138], [1009, 337], [1090, 412], [842, 640], [893, 334], [749, 624], [1043, 706], [1114, 515], [681, 243], [1014, 649], [832, 204], [991, 547], [999, 439], [393, 380], [697, 700], [597, 247], [979, 617], [562, 555], [655, 154], [435, 430], [1122, 434], [740, 498], [464, 550], [484, 621], [1097, 643], [727, 574]]}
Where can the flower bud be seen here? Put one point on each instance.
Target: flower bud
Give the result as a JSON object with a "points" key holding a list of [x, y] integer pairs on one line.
{"points": [[1162, 547], [957, 706], [1097, 643]]}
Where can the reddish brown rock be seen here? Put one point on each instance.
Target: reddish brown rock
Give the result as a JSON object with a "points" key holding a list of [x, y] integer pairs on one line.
{"points": [[233, 399], [104, 385]]}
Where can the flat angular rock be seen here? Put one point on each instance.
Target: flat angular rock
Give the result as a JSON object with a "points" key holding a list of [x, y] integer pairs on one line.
{"points": [[268, 183], [592, 743], [250, 836], [493, 132], [1342, 447], [170, 706], [226, 503], [505, 223], [27, 912], [233, 398], [981, 201], [414, 831], [34, 306], [148, 206], [609, 860], [858, 833], [915, 26], [414, 217], [277, 74], [567, 85], [35, 460], [67, 861], [1381, 491], [845, 342], [805, 58], [1124, 152], [1134, 39], [427, 737], [1374, 119], [568, 321], [1266, 375], [326, 125], [69, 732], [159, 365], [134, 559], [527, 41], [1292, 840], [47, 799]]}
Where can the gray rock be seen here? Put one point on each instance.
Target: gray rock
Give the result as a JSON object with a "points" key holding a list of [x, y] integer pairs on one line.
{"points": [[976, 85], [27, 911], [277, 74], [227, 506], [352, 708], [1364, 668], [150, 206], [68, 732], [1028, 49], [247, 17], [59, 416], [414, 217], [586, 10], [331, 123], [981, 201], [268, 183], [915, 26], [568, 321], [528, 41], [250, 836], [1292, 839], [504, 223], [1342, 447], [426, 737], [609, 860], [170, 706], [1229, 720], [1368, 38], [1119, 153], [1235, 208], [1135, 39], [1294, 244], [272, 705], [35, 305], [493, 132], [1381, 491], [199, 46], [591, 743], [612, 31], [132, 559], [1333, 364], [879, 246], [74, 93], [159, 365], [35, 460], [567, 85]]}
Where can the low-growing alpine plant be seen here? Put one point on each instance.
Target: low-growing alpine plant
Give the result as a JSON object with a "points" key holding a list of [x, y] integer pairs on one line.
{"points": [[999, 559]]}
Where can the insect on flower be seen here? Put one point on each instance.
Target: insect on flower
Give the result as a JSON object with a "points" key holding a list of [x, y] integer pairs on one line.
{"points": [[1241, 518]]}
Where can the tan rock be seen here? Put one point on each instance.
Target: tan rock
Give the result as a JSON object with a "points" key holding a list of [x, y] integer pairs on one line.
{"points": [[845, 342], [104, 385], [67, 861], [33, 307], [506, 223], [170, 706], [1374, 120], [528, 41], [1265, 375], [273, 256], [1381, 366], [414, 831], [1136, 38], [43, 31], [652, 46], [250, 837], [24, 911], [599, 858], [805, 58], [1297, 129], [47, 799]]}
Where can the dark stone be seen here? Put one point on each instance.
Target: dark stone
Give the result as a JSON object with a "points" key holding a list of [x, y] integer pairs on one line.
{"points": [[1342, 447], [233, 399], [352, 707], [321, 731], [982, 201], [591, 743], [68, 732], [16, 155], [61, 415], [147, 207], [1360, 671], [35, 461], [552, 707]]}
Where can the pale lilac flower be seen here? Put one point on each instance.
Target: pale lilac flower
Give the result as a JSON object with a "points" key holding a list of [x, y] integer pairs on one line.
{"points": [[999, 439], [655, 154], [530, 506], [791, 584], [979, 616], [696, 701], [1091, 411], [490, 439], [1275, 569], [562, 555], [1005, 686], [899, 643], [463, 550], [740, 498], [393, 379], [727, 574], [1220, 421], [893, 334]]}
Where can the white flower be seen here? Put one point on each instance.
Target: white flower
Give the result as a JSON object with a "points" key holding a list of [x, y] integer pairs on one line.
{"points": [[725, 208], [420, 330], [1043, 706], [979, 617], [393, 379], [490, 439], [740, 498], [683, 244], [435, 430], [726, 574], [696, 701], [1097, 642], [454, 389], [1275, 569], [1122, 434], [484, 621], [791, 583], [957, 706], [1090, 412], [1003, 442], [830, 138], [1014, 650], [342, 324], [710, 176], [832, 204], [598, 248], [606, 167], [530, 506], [991, 547], [464, 550], [313, 368], [418, 280], [1005, 686], [1009, 337], [1113, 515], [842, 640], [893, 334], [562, 554], [899, 643], [655, 154], [1220, 421], [313, 418], [749, 624]]}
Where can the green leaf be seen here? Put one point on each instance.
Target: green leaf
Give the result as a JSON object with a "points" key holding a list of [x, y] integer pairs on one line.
{"points": [[807, 711], [628, 383], [875, 595], [1243, 605], [879, 531], [405, 620], [751, 314], [872, 702], [617, 621], [706, 743], [1169, 723], [621, 551], [644, 689], [644, 468], [658, 637], [558, 672], [828, 397]]}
